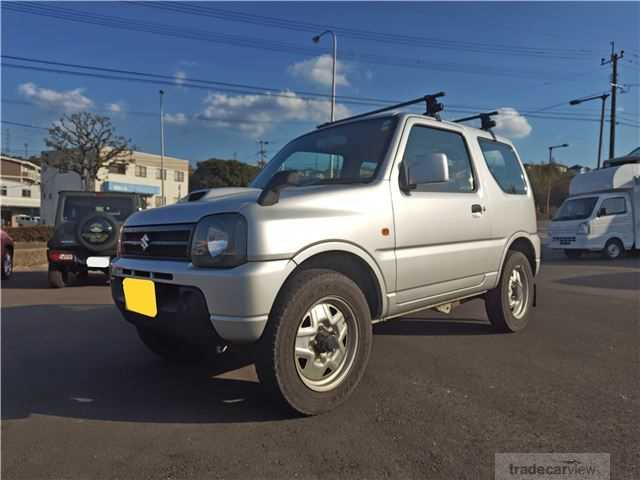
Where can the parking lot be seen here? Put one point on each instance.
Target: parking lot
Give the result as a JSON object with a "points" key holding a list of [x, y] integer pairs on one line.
{"points": [[82, 398]]}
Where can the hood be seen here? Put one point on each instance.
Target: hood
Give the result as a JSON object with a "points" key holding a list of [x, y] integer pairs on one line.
{"points": [[565, 227], [217, 200]]}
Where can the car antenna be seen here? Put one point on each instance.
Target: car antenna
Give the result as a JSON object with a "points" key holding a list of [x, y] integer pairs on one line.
{"points": [[486, 122], [433, 108]]}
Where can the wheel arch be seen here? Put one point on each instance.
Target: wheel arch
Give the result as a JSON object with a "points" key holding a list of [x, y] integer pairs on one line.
{"points": [[351, 261], [523, 244]]}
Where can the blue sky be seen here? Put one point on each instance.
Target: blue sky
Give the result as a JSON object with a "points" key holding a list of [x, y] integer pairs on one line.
{"points": [[529, 58]]}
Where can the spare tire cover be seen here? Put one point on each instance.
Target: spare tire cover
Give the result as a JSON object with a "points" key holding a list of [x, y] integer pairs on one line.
{"points": [[98, 232]]}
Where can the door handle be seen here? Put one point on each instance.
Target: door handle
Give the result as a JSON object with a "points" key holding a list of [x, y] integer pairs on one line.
{"points": [[476, 208]]}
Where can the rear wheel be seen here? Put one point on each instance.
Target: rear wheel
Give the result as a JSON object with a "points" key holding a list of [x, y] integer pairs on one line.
{"points": [[573, 254], [316, 346], [509, 304], [169, 348], [58, 278], [613, 249], [7, 264]]}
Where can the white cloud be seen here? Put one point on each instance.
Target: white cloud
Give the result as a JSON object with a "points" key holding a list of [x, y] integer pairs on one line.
{"points": [[176, 118], [254, 114], [511, 124], [116, 107], [180, 77], [69, 100], [318, 70]]}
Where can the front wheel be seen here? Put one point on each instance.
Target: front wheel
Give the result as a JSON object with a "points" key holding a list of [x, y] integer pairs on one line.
{"points": [[613, 249], [509, 304], [7, 264], [316, 346]]}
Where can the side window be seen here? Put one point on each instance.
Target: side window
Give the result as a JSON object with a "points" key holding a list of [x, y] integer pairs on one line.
{"points": [[423, 142], [504, 166], [613, 206]]}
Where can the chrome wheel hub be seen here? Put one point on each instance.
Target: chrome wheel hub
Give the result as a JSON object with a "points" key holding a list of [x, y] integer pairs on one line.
{"points": [[518, 292], [326, 343], [7, 264], [613, 250]]}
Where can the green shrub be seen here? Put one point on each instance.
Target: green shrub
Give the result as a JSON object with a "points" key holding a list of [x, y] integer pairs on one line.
{"points": [[36, 233]]}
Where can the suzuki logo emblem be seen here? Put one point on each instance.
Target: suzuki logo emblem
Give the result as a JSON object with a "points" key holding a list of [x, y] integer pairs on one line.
{"points": [[144, 242]]}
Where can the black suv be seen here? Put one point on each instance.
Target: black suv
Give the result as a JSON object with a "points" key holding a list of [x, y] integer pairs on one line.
{"points": [[86, 233]]}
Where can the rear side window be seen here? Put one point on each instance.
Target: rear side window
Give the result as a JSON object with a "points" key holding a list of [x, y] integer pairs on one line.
{"points": [[504, 166], [613, 206], [423, 142]]}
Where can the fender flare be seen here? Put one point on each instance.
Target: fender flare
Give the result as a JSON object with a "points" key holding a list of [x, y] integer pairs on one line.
{"points": [[517, 235], [343, 246]]}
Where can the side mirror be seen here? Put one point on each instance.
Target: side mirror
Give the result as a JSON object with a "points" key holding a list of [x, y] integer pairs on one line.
{"points": [[433, 170], [602, 212]]}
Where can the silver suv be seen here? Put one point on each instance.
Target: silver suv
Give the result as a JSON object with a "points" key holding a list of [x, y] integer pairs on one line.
{"points": [[356, 222]]}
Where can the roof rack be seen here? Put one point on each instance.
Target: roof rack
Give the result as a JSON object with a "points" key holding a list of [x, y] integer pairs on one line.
{"points": [[433, 107], [486, 123]]}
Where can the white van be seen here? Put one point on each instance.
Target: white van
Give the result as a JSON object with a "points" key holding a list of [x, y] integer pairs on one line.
{"points": [[601, 214]]}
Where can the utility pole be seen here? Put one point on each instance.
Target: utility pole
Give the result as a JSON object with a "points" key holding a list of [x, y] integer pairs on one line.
{"points": [[162, 172], [613, 60], [26, 151], [262, 153]]}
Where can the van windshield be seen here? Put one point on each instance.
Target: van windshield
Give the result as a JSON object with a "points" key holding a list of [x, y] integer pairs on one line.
{"points": [[576, 209], [349, 153]]}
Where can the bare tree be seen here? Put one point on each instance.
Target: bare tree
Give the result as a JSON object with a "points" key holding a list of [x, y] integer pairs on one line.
{"points": [[84, 143]]}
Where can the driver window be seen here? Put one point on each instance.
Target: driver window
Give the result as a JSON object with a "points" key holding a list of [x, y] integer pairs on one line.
{"points": [[423, 142]]}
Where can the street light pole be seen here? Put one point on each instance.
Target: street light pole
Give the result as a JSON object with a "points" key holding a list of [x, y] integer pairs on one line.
{"points": [[549, 183], [602, 97], [162, 200], [316, 39]]}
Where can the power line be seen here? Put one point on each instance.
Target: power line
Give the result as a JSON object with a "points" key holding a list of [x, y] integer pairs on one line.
{"points": [[387, 38], [263, 44]]}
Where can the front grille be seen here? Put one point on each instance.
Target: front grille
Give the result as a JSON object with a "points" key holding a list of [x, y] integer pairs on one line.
{"points": [[564, 240], [164, 242]]}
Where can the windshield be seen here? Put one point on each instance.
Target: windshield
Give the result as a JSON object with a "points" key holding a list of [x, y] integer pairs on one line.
{"points": [[349, 153], [634, 152], [78, 207], [576, 208]]}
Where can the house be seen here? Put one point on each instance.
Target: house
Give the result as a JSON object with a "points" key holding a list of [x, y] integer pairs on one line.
{"points": [[141, 174], [19, 189]]}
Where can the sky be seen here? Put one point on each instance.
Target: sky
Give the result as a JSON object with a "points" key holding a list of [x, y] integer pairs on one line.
{"points": [[234, 73]]}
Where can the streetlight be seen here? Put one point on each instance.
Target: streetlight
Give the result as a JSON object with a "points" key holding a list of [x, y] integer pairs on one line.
{"points": [[602, 97], [161, 148], [553, 147], [316, 39], [549, 183]]}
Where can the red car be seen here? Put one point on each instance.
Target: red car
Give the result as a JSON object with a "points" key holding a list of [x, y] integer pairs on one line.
{"points": [[6, 252]]}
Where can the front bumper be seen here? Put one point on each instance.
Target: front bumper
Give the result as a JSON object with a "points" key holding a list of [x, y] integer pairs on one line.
{"points": [[237, 301]]}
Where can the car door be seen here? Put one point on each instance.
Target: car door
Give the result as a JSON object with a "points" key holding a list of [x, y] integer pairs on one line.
{"points": [[613, 220], [442, 229]]}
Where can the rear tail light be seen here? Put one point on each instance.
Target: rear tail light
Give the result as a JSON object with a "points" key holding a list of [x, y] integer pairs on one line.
{"points": [[56, 256]]}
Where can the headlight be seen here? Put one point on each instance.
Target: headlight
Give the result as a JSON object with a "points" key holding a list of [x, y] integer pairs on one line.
{"points": [[220, 241], [584, 229]]}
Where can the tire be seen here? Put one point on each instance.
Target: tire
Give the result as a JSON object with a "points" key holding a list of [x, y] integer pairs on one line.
{"points": [[505, 314], [613, 249], [171, 349], [333, 362], [58, 278], [7, 264], [573, 254]]}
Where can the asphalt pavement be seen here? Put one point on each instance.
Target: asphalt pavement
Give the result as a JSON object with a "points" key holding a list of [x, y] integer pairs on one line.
{"points": [[82, 398]]}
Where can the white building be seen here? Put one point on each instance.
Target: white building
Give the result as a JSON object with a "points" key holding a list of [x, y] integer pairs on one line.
{"points": [[142, 175], [19, 189]]}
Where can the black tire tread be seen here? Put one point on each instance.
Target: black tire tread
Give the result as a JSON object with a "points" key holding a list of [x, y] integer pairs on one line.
{"points": [[269, 374]]}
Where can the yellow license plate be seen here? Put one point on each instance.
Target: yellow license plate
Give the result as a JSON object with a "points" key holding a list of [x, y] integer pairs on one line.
{"points": [[140, 296]]}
